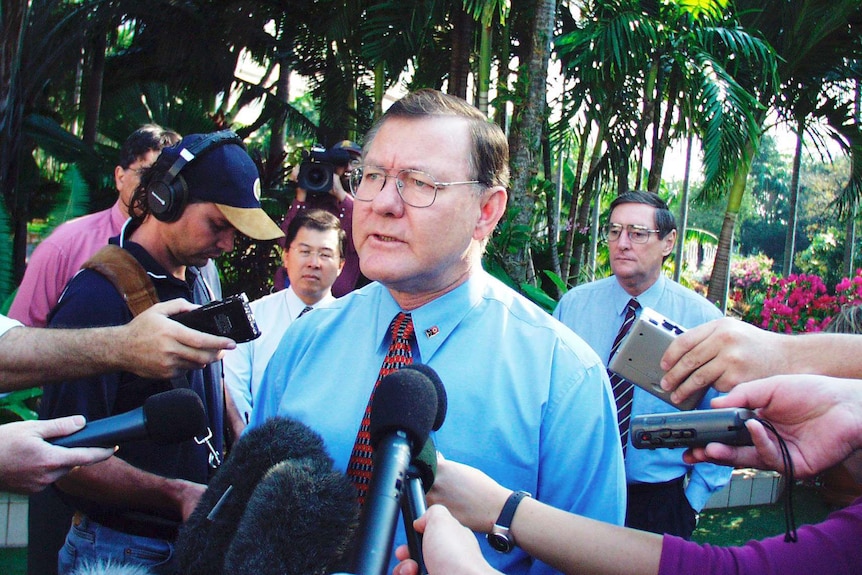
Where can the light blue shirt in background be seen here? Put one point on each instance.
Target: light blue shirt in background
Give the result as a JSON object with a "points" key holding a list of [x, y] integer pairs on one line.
{"points": [[529, 402], [595, 311]]}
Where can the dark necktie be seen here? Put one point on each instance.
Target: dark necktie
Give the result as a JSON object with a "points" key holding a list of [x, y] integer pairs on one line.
{"points": [[304, 311], [399, 354], [623, 389]]}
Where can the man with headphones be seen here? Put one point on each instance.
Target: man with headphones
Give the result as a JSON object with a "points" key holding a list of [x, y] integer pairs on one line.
{"points": [[188, 208]]}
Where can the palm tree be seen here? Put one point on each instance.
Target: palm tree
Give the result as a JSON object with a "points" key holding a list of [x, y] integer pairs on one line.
{"points": [[803, 34]]}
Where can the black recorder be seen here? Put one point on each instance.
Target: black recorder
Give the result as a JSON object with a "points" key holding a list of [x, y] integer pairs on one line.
{"points": [[638, 358], [230, 317], [691, 428]]}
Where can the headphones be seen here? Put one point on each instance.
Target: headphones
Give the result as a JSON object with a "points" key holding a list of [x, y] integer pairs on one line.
{"points": [[167, 192]]}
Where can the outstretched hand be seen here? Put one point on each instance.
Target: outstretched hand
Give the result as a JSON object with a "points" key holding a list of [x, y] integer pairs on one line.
{"points": [[721, 353], [819, 418], [154, 346], [28, 463]]}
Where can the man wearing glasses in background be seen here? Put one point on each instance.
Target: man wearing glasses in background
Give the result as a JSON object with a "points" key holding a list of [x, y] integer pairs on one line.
{"points": [[664, 493], [528, 401]]}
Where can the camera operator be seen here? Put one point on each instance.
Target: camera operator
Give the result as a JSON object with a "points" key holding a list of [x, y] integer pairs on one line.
{"points": [[319, 185]]}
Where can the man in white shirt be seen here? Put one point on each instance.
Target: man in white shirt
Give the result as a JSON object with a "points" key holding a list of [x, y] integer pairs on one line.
{"points": [[312, 258]]}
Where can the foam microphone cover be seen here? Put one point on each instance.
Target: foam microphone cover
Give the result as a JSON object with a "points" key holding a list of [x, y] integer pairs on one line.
{"points": [[425, 464], [300, 520], [203, 540], [404, 400], [442, 399], [174, 416]]}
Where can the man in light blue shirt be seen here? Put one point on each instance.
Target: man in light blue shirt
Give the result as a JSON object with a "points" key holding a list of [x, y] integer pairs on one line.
{"points": [[312, 259], [529, 402], [641, 232]]}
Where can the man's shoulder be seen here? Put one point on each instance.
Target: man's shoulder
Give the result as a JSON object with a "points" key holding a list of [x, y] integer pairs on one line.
{"points": [[691, 299], [90, 299]]}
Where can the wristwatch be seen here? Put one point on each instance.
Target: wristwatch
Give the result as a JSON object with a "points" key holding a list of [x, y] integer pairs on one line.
{"points": [[500, 538]]}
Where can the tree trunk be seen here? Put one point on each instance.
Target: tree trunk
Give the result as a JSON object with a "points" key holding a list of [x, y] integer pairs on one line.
{"points": [[484, 80], [720, 280], [462, 46], [93, 94], [13, 21], [682, 224], [526, 132], [278, 130], [572, 223], [793, 207], [662, 138]]}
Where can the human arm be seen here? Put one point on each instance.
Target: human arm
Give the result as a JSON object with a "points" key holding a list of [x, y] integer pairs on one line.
{"points": [[447, 547], [568, 542], [819, 418], [28, 463], [725, 352], [115, 482], [151, 345]]}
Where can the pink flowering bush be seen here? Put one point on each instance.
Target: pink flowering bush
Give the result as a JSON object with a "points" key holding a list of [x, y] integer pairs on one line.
{"points": [[802, 303]]}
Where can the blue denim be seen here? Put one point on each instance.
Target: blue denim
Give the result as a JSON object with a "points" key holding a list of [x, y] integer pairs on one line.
{"points": [[88, 543]]}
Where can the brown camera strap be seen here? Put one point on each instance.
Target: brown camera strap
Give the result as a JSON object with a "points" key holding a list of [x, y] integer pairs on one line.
{"points": [[128, 276]]}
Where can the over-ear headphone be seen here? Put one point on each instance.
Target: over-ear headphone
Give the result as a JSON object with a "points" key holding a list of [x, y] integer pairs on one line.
{"points": [[167, 192]]}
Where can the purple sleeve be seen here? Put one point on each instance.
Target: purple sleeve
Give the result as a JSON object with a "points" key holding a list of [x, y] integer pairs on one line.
{"points": [[831, 547]]}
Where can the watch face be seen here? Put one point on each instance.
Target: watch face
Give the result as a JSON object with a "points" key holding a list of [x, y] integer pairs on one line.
{"points": [[499, 542]]}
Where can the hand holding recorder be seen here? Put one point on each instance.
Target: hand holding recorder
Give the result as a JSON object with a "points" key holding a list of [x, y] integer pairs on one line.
{"points": [[638, 358], [819, 417], [231, 317]]}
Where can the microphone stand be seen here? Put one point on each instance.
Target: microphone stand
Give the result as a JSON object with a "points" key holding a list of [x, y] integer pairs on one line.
{"points": [[413, 506]]}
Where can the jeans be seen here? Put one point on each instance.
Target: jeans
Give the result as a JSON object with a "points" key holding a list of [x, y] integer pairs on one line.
{"points": [[89, 543]]}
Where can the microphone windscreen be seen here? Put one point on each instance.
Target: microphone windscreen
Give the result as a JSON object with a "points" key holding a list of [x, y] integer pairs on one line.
{"points": [[206, 534], [425, 464], [442, 400], [300, 520], [174, 416], [404, 400]]}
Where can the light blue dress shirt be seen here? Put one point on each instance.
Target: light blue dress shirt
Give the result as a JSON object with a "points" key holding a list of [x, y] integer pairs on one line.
{"points": [[595, 311], [529, 402], [244, 366]]}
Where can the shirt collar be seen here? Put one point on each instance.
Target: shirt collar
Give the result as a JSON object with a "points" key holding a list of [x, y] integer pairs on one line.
{"points": [[650, 298], [435, 321]]}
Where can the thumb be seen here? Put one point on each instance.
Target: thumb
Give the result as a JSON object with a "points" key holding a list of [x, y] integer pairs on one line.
{"points": [[60, 426]]}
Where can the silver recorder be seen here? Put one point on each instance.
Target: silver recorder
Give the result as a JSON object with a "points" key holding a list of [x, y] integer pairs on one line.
{"points": [[638, 358]]}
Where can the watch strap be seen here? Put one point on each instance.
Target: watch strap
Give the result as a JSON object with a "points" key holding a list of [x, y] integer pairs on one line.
{"points": [[504, 521]]}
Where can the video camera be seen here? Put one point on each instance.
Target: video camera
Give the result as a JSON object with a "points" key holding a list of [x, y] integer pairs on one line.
{"points": [[317, 168]]}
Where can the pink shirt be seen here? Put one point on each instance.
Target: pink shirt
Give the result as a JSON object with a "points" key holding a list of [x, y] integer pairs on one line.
{"points": [[59, 257]]}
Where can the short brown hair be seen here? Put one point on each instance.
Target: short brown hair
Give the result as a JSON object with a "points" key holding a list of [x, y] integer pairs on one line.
{"points": [[490, 158]]}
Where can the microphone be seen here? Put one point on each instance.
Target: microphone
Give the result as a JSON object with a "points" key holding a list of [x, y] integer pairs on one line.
{"points": [[442, 399], [403, 412], [420, 478], [207, 534], [165, 418]]}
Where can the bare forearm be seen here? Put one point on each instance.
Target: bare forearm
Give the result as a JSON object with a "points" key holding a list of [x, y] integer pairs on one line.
{"points": [[115, 482], [30, 356], [836, 355], [578, 545]]}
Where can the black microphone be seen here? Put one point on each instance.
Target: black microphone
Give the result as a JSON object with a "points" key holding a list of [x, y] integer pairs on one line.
{"points": [[207, 534], [420, 478], [165, 418], [403, 412], [442, 398]]}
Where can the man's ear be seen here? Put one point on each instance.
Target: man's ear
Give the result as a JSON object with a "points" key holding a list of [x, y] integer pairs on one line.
{"points": [[492, 206], [669, 241]]}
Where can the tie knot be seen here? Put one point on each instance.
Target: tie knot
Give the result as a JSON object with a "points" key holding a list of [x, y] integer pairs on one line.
{"points": [[402, 326], [633, 306], [304, 311]]}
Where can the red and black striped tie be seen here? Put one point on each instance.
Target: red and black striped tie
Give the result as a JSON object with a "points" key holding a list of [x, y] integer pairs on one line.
{"points": [[623, 389], [400, 354]]}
